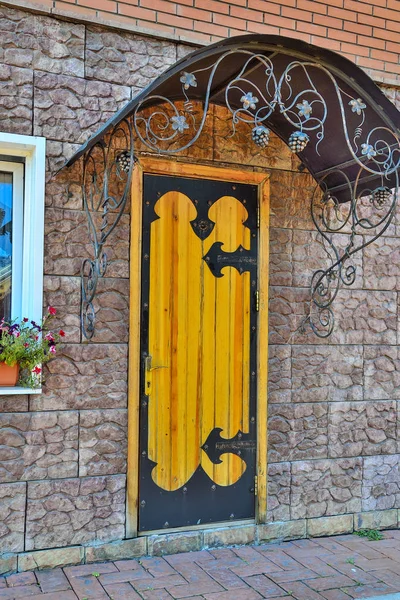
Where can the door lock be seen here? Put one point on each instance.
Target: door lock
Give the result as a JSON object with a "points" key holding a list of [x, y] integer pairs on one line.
{"points": [[148, 370]]}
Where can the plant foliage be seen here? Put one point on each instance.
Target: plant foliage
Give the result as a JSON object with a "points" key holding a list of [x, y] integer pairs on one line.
{"points": [[30, 345], [373, 535]]}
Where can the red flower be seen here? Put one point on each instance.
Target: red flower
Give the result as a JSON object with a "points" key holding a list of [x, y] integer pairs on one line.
{"points": [[25, 319], [61, 333], [26, 345], [52, 310], [37, 370]]}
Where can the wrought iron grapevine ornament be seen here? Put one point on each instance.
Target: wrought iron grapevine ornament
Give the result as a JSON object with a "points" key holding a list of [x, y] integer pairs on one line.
{"points": [[168, 127]]}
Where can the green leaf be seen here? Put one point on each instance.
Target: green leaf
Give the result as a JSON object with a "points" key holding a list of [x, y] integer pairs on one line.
{"points": [[373, 535]]}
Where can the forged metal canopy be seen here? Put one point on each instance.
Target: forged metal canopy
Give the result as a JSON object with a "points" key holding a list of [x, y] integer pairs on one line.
{"points": [[348, 119], [324, 107]]}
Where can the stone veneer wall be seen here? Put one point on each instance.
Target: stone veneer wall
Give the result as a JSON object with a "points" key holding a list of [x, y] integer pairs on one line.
{"points": [[333, 407]]}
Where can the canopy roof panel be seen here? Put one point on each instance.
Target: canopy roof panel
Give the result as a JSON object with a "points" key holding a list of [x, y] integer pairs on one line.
{"points": [[351, 130]]}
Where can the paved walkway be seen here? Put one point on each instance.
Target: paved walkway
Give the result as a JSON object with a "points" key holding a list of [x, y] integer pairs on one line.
{"points": [[335, 568]]}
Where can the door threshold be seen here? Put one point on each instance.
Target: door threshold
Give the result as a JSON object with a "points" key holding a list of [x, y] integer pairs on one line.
{"points": [[219, 525]]}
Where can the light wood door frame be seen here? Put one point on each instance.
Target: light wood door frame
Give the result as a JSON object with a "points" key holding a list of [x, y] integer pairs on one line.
{"points": [[168, 167]]}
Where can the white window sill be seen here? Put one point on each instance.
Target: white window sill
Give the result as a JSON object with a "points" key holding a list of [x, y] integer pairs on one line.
{"points": [[17, 389]]}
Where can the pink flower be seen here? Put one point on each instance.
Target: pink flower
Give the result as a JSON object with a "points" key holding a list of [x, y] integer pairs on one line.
{"points": [[16, 333], [49, 336], [37, 370], [52, 310], [53, 349]]}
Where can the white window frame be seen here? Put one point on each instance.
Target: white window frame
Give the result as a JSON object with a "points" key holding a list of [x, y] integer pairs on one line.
{"points": [[27, 295]]}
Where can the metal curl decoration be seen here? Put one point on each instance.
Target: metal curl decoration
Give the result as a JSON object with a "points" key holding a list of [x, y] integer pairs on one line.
{"points": [[371, 212], [107, 175], [168, 127]]}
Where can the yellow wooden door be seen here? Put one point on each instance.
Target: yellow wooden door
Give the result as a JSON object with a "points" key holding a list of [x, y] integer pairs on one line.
{"points": [[198, 421]]}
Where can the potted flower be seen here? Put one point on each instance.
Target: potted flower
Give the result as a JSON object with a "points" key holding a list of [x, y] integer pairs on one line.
{"points": [[24, 347]]}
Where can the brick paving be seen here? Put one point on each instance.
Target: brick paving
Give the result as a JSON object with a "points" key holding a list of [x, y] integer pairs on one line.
{"points": [[341, 568]]}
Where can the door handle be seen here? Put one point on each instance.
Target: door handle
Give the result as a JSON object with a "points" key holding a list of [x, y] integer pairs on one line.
{"points": [[148, 370]]}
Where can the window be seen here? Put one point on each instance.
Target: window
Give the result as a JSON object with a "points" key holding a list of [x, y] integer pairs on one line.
{"points": [[22, 174], [11, 238]]}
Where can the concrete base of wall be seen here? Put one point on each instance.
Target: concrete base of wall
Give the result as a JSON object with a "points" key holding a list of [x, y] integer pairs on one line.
{"points": [[190, 541]]}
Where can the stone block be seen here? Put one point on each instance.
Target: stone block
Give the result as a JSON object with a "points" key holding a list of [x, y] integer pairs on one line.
{"points": [[64, 293], [112, 311], [291, 193], [278, 495], [18, 37], [67, 243], [14, 403], [103, 442], [297, 431], [174, 543], [41, 42], [75, 511], [16, 97], [50, 559], [365, 317], [59, 47], [117, 550], [381, 372], [86, 376], [287, 309], [125, 58], [8, 563], [12, 517], [281, 530], [69, 109], [377, 519], [327, 373], [381, 483], [229, 536], [279, 373], [325, 487], [38, 446], [362, 428], [382, 264], [280, 256], [329, 525]]}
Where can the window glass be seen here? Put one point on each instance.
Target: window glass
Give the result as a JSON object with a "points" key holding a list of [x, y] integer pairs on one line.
{"points": [[6, 198]]}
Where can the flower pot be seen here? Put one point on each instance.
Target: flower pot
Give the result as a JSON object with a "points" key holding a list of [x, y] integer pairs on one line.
{"points": [[8, 375]]}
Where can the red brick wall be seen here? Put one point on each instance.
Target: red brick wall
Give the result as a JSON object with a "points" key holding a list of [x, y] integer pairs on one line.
{"points": [[366, 31]]}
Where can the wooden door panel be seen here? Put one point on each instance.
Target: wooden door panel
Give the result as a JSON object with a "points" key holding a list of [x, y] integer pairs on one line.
{"points": [[225, 312], [198, 345], [174, 326]]}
